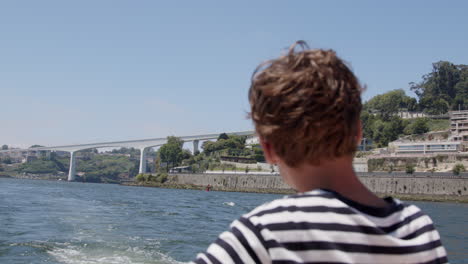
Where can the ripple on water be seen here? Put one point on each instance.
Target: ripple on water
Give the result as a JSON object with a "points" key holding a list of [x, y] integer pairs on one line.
{"points": [[75, 223]]}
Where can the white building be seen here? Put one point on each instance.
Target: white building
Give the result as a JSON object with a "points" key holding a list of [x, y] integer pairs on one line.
{"points": [[365, 144], [426, 147], [459, 126], [409, 115], [457, 142], [252, 140]]}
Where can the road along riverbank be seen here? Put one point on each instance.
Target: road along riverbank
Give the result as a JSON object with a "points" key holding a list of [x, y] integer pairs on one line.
{"points": [[424, 188]]}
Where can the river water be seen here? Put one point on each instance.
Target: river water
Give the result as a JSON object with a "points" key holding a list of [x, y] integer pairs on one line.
{"points": [[62, 222]]}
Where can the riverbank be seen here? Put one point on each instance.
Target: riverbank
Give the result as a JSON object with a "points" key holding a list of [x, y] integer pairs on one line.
{"points": [[49, 177], [405, 197], [404, 188], [203, 188], [428, 198]]}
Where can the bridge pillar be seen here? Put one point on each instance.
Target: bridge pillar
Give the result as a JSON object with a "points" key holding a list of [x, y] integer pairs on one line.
{"points": [[71, 172], [142, 160], [195, 146]]}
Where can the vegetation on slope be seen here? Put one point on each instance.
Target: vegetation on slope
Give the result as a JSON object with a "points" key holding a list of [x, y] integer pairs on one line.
{"points": [[172, 155], [93, 168], [443, 89]]}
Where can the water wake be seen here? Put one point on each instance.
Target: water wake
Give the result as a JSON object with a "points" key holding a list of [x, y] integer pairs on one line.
{"points": [[107, 253]]}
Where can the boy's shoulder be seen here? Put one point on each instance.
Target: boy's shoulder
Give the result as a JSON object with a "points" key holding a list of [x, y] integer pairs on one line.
{"points": [[322, 225], [294, 202], [330, 205]]}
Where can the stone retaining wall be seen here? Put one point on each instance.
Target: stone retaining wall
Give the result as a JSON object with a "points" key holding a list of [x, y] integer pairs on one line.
{"points": [[232, 182], [383, 185], [407, 185]]}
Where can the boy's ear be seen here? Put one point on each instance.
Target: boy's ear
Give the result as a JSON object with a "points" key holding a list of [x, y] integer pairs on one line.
{"points": [[268, 151]]}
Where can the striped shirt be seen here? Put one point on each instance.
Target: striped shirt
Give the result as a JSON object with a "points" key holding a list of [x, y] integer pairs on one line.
{"points": [[322, 226]]}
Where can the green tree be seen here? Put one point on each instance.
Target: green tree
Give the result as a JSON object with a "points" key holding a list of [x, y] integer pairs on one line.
{"points": [[367, 123], [58, 163], [410, 169], [133, 171], [420, 126], [39, 167], [411, 104], [384, 132], [157, 163], [389, 103], [233, 145], [140, 177], [446, 87], [223, 136], [186, 154], [133, 152], [458, 168], [258, 153], [394, 128], [171, 153], [161, 177], [209, 147]]}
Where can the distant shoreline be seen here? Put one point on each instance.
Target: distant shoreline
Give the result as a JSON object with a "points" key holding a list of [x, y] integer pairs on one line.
{"points": [[171, 185], [405, 197]]}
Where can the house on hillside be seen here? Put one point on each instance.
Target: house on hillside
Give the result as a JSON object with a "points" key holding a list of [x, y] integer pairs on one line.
{"points": [[456, 141], [252, 140], [181, 169], [408, 114], [459, 127]]}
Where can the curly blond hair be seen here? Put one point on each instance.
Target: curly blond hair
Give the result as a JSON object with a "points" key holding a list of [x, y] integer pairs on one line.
{"points": [[306, 104]]}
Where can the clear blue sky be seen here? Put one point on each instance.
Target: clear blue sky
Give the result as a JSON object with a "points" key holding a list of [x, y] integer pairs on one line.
{"points": [[88, 71]]}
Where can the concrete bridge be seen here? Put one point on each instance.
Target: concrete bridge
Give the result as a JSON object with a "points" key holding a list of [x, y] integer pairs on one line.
{"points": [[142, 144]]}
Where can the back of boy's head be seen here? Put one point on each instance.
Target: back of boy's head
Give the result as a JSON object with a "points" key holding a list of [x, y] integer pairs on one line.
{"points": [[306, 105]]}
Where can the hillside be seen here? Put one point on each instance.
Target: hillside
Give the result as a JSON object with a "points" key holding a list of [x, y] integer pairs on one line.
{"points": [[442, 90]]}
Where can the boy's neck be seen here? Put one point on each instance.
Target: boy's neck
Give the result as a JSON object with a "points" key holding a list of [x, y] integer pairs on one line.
{"points": [[337, 175]]}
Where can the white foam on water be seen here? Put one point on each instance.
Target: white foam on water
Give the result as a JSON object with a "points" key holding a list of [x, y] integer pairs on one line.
{"points": [[132, 255], [73, 256], [229, 203]]}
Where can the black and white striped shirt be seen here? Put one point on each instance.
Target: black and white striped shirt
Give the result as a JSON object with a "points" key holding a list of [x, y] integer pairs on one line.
{"points": [[322, 226]]}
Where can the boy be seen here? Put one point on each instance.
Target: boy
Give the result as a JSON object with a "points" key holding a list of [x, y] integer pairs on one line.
{"points": [[305, 107]]}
